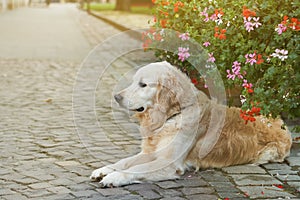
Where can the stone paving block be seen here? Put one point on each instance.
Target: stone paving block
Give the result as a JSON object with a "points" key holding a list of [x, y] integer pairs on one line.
{"points": [[277, 166], [224, 187], [282, 172], [26, 181], [214, 176], [254, 179], [295, 185], [197, 190], [244, 169], [202, 197], [173, 198], [6, 192], [126, 197], [288, 177], [265, 192], [46, 144], [168, 184], [80, 186], [112, 191], [4, 171], [67, 163], [41, 185], [294, 161], [169, 192], [149, 194], [37, 193], [59, 190], [14, 197], [142, 186], [44, 177], [192, 182], [55, 197], [233, 195], [61, 182], [86, 193]]}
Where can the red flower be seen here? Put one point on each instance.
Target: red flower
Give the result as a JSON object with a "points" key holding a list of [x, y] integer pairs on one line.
{"points": [[194, 81], [295, 24], [259, 59], [249, 115], [278, 186], [163, 23], [220, 34], [219, 11], [177, 5], [246, 194], [158, 37], [285, 18], [250, 91], [165, 3], [147, 43], [248, 13], [164, 13]]}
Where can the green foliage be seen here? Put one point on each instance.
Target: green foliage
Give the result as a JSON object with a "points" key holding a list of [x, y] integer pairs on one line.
{"points": [[276, 80]]}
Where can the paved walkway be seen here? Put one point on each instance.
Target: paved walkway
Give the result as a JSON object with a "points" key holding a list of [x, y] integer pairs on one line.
{"points": [[50, 144]]}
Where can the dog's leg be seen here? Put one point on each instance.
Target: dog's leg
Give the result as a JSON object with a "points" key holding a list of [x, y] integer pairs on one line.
{"points": [[272, 152], [123, 164], [157, 170], [169, 164]]}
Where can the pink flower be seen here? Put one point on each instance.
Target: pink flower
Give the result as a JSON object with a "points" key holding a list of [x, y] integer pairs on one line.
{"points": [[206, 44], [246, 84], [211, 57], [213, 17], [204, 13], [280, 29], [251, 58], [236, 71], [249, 25], [183, 53], [184, 36]]}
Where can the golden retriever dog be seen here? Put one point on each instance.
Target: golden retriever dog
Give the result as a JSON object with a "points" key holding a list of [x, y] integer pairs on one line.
{"points": [[182, 129]]}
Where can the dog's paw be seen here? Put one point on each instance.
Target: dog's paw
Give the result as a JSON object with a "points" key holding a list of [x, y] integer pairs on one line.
{"points": [[115, 179], [98, 174]]}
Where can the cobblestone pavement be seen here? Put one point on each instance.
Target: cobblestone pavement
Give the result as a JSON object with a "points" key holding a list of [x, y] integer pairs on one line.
{"points": [[48, 151]]}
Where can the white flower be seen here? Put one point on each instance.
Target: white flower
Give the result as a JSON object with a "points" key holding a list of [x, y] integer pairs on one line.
{"points": [[228, 23], [281, 54]]}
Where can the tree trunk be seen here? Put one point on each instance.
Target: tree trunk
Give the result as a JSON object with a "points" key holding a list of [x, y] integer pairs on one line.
{"points": [[123, 5]]}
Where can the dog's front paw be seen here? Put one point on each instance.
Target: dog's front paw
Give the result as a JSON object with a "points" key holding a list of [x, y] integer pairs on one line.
{"points": [[115, 179], [98, 174]]}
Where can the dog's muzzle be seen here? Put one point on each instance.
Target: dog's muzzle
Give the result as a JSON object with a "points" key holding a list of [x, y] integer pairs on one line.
{"points": [[119, 99]]}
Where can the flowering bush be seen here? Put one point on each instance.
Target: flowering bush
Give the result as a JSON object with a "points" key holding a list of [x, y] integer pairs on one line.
{"points": [[254, 44]]}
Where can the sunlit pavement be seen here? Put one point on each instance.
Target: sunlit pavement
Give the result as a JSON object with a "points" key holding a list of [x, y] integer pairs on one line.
{"points": [[43, 156]]}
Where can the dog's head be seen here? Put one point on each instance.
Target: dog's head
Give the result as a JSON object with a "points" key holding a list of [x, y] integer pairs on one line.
{"points": [[158, 91]]}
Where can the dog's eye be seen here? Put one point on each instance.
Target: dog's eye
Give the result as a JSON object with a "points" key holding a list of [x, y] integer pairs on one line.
{"points": [[141, 84]]}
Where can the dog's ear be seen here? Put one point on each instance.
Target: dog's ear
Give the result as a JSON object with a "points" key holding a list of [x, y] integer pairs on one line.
{"points": [[166, 99]]}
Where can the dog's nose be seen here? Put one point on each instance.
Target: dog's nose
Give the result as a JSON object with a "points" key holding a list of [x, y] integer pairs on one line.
{"points": [[118, 97]]}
